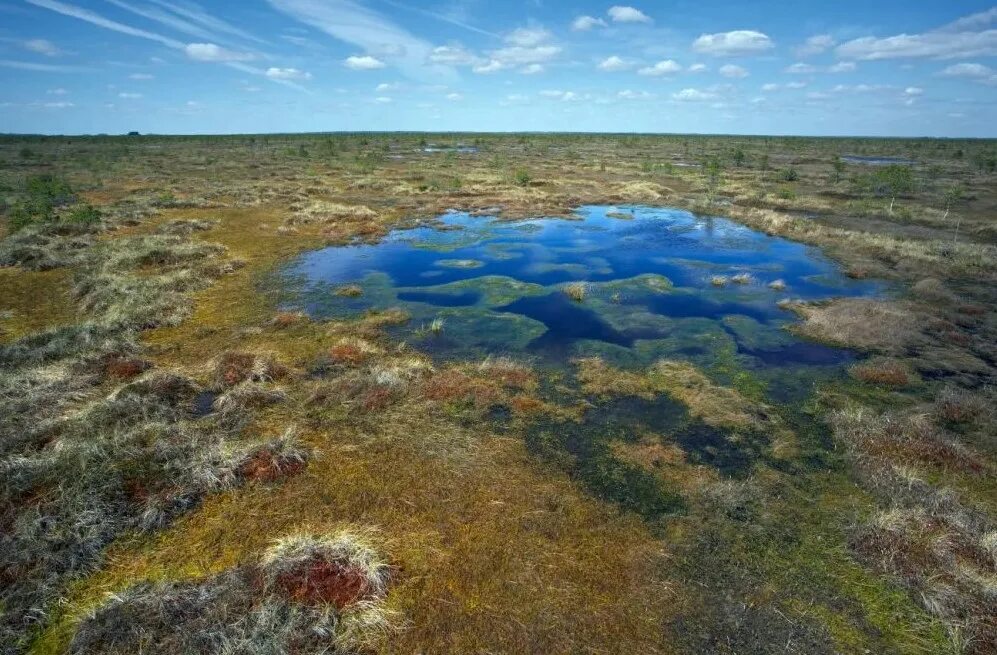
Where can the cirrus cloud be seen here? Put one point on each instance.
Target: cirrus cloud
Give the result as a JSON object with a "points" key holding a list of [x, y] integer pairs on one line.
{"points": [[213, 52]]}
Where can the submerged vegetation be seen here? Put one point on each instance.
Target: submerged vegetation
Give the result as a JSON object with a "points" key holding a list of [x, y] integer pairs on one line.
{"points": [[190, 465]]}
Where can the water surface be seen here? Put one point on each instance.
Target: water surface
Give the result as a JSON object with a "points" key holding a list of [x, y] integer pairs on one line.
{"points": [[657, 283]]}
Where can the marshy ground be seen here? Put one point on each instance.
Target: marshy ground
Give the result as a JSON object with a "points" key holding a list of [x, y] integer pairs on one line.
{"points": [[475, 393]]}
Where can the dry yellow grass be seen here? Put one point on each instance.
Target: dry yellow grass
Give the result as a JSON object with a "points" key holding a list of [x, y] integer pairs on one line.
{"points": [[493, 555]]}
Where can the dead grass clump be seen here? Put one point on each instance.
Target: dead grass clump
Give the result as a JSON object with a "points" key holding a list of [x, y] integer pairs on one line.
{"points": [[777, 285], [719, 280], [886, 326], [508, 372], [959, 406], [246, 396], [232, 367], [948, 569], [600, 379], [903, 438], [288, 319], [576, 291], [122, 367], [308, 594], [886, 372], [742, 278], [934, 290], [352, 351], [341, 569], [323, 212], [276, 460], [452, 385]]}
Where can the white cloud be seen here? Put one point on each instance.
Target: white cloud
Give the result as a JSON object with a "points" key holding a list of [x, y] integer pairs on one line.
{"points": [[454, 97], [585, 23], [815, 45], [627, 94], [800, 69], [913, 91], [384, 87], [528, 37], [275, 73], [521, 55], [965, 37], [58, 105], [737, 72], [382, 100], [57, 92], [215, 53], [613, 64], [141, 76], [817, 95], [967, 70], [564, 96], [532, 69], [770, 87], [738, 42], [693, 95], [698, 68], [622, 14], [127, 95], [796, 85], [251, 89], [973, 21], [976, 72], [490, 66], [43, 47], [935, 45], [363, 63], [666, 67], [842, 67], [454, 55]]}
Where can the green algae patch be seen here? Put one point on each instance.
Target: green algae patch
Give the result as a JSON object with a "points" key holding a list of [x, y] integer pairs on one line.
{"points": [[754, 335], [459, 263], [493, 290]]}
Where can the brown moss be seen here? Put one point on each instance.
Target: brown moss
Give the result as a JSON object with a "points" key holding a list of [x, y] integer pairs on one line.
{"points": [[324, 582], [887, 372]]}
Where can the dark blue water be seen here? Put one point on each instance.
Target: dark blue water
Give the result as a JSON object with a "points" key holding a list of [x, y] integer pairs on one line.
{"points": [[649, 288]]}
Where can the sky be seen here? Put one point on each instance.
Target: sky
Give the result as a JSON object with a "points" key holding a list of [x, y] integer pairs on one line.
{"points": [[869, 67]]}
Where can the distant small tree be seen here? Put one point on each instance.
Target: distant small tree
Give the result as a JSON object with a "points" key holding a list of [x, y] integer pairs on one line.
{"points": [[714, 177], [839, 168], [522, 177], [738, 157], [895, 180], [952, 196], [763, 162]]}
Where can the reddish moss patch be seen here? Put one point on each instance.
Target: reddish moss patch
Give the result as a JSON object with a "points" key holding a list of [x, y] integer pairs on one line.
{"points": [[325, 582], [264, 466], [287, 319], [123, 368], [347, 354]]}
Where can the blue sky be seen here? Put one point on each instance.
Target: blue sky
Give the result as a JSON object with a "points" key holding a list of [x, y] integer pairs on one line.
{"points": [[888, 67]]}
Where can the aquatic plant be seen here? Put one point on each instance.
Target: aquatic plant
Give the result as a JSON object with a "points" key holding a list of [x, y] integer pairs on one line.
{"points": [[576, 291]]}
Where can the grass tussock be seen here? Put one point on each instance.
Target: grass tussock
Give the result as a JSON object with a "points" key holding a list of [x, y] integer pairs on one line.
{"points": [[307, 594]]}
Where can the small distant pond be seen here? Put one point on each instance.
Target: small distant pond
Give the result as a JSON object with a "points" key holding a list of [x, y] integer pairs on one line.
{"points": [[876, 160], [459, 149], [657, 282]]}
